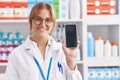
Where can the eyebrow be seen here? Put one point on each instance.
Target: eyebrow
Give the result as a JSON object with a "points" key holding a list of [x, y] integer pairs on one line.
{"points": [[42, 18]]}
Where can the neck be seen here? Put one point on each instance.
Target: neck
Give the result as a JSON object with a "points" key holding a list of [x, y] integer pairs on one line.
{"points": [[41, 43]]}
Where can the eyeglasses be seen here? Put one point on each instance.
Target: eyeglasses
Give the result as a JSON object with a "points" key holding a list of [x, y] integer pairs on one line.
{"points": [[48, 22]]}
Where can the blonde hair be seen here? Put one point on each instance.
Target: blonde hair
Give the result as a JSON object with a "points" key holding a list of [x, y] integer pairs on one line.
{"points": [[39, 6]]}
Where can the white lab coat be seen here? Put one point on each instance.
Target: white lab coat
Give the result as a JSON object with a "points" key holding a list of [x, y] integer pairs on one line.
{"points": [[21, 65]]}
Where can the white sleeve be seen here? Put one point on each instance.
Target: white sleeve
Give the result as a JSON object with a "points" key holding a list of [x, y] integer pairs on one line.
{"points": [[11, 73], [73, 74]]}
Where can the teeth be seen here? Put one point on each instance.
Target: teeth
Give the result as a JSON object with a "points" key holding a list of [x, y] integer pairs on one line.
{"points": [[42, 29]]}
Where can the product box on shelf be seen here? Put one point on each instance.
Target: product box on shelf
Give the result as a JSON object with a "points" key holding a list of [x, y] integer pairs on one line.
{"points": [[49, 1], [99, 74], [63, 1], [107, 73], [56, 1], [115, 74], [32, 1], [91, 74], [63, 11], [6, 0], [6, 10], [9, 41], [118, 3], [4, 56], [40, 0], [20, 10], [20, 0], [103, 73], [56, 7], [100, 7]]}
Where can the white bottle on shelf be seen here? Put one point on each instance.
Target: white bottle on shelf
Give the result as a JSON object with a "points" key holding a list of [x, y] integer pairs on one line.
{"points": [[107, 48], [114, 49], [74, 9], [98, 47]]}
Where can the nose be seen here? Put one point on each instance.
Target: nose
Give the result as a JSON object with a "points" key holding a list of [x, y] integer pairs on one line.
{"points": [[43, 23]]}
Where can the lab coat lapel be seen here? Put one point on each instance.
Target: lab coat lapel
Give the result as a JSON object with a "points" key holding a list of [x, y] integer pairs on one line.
{"points": [[31, 50]]}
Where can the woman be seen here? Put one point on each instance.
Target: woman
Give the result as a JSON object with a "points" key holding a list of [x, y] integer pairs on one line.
{"points": [[40, 57]]}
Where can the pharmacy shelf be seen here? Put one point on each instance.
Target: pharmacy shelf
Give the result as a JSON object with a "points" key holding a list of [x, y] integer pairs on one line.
{"points": [[98, 24], [102, 19], [26, 21], [13, 21], [69, 20], [3, 63], [103, 62], [79, 62]]}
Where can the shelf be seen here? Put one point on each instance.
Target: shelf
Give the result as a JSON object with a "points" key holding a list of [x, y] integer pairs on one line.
{"points": [[79, 62], [102, 19], [3, 64], [103, 62], [13, 21], [26, 21], [69, 20]]}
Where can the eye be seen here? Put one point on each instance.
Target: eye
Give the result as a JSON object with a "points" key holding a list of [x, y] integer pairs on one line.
{"points": [[48, 20], [38, 19]]}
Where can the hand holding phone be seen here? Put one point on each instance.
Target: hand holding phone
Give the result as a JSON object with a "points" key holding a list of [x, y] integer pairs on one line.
{"points": [[71, 35]]}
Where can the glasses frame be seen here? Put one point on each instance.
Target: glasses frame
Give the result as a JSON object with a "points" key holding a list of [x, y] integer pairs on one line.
{"points": [[48, 22]]}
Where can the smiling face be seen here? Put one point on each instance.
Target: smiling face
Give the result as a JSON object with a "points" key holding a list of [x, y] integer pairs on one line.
{"points": [[39, 24], [42, 19]]}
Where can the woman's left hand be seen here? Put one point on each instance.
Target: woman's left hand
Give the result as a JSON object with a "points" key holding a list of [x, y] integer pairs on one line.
{"points": [[70, 55]]}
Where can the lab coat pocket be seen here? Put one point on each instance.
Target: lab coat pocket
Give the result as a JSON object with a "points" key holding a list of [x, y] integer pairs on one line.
{"points": [[60, 76], [59, 72]]}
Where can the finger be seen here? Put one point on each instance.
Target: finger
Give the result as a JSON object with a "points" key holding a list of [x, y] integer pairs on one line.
{"points": [[78, 43], [63, 42]]}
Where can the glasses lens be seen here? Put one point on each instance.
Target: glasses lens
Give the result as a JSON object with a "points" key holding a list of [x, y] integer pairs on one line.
{"points": [[38, 21], [49, 22]]}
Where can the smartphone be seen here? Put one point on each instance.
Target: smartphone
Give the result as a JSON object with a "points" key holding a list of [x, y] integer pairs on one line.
{"points": [[71, 35]]}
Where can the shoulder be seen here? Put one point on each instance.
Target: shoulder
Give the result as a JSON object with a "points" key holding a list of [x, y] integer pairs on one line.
{"points": [[23, 45], [21, 48], [17, 52]]}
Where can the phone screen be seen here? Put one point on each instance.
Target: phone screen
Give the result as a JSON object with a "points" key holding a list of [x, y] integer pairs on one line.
{"points": [[71, 35]]}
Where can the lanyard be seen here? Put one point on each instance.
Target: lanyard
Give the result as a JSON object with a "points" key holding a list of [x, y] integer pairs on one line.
{"points": [[41, 72]]}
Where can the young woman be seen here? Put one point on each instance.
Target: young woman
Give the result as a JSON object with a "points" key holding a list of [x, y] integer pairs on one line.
{"points": [[40, 57]]}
